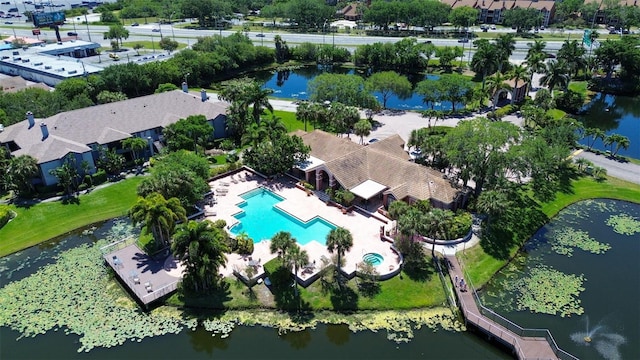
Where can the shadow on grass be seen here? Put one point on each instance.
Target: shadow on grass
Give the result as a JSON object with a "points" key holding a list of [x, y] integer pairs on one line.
{"points": [[513, 228], [214, 298], [369, 288], [344, 299], [286, 294]]}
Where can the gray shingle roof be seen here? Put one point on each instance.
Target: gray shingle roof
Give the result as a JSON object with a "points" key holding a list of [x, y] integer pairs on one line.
{"points": [[102, 124], [384, 162]]}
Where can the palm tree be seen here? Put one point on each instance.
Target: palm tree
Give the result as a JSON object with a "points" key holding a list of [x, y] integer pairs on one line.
{"points": [[594, 134], [486, 61], [583, 163], [572, 52], [158, 216], [362, 128], [435, 223], [339, 240], [281, 243], [536, 47], [555, 74], [258, 98], [517, 73], [297, 258], [618, 141], [254, 135], [135, 145], [505, 45], [304, 113], [493, 203], [495, 85], [274, 126], [201, 247], [535, 64], [20, 171]]}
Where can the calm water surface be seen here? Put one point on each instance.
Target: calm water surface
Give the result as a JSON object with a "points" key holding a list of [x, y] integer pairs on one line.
{"points": [[612, 283], [293, 85], [614, 114]]}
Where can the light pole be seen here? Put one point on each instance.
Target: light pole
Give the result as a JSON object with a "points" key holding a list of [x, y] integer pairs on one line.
{"points": [[87, 22], [171, 24], [323, 32], [186, 75]]}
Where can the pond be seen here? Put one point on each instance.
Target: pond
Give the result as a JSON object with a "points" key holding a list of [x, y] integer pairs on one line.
{"points": [[325, 341], [614, 114], [594, 246], [292, 84]]}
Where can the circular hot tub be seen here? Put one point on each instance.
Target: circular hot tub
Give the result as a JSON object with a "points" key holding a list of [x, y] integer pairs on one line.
{"points": [[374, 259]]}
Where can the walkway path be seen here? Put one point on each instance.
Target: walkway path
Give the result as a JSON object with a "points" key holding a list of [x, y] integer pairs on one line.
{"points": [[524, 344]]}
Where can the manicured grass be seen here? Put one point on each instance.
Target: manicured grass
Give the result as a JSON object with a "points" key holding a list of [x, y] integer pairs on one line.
{"points": [[481, 266], [291, 122], [41, 222], [556, 114], [579, 87], [148, 45]]}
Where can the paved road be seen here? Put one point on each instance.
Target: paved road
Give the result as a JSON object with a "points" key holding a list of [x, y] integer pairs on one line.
{"points": [[625, 171]]}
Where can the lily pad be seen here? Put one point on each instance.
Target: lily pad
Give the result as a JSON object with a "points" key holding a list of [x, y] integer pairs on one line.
{"points": [[624, 224]]}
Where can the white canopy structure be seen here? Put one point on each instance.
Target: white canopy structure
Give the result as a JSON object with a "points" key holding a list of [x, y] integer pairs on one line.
{"points": [[368, 189]]}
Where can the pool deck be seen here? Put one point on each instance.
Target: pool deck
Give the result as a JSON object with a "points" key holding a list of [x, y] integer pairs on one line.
{"points": [[365, 229]]}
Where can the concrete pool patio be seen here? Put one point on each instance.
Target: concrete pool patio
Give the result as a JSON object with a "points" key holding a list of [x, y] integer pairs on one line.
{"points": [[364, 228]]}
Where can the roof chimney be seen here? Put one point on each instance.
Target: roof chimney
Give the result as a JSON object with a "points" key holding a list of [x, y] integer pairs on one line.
{"points": [[203, 95], [45, 130], [185, 88], [32, 121]]}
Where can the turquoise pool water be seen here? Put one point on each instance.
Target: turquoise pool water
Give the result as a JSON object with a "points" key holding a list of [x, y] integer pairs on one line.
{"points": [[374, 259], [261, 219]]}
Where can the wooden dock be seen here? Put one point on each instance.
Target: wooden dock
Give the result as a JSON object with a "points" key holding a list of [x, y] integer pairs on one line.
{"points": [[526, 343]]}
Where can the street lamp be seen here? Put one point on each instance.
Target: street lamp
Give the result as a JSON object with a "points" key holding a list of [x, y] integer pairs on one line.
{"points": [[323, 33], [186, 75], [171, 24]]}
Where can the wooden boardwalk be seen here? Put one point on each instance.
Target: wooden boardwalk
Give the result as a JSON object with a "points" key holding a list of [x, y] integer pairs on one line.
{"points": [[526, 343]]}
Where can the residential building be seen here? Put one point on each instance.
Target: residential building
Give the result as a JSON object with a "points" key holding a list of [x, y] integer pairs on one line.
{"points": [[80, 134], [492, 11], [380, 171]]}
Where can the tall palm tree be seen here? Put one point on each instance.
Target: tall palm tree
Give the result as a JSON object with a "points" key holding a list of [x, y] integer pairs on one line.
{"points": [[594, 134], [435, 223], [555, 74], [19, 172], [258, 98], [572, 52], [485, 61], [158, 215], [536, 47], [535, 64], [297, 258], [517, 73], [339, 240], [304, 113], [617, 141], [495, 85], [281, 243], [362, 128], [505, 45], [201, 247]]}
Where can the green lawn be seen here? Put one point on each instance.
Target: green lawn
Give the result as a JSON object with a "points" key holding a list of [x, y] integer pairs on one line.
{"points": [[148, 45], [44, 221], [556, 114], [481, 266], [290, 121]]}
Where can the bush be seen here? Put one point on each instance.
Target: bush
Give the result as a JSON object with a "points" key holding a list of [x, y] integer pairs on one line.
{"points": [[460, 225], [245, 245], [5, 215], [99, 177], [570, 101]]}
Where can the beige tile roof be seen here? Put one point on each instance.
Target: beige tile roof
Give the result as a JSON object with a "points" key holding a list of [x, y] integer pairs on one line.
{"points": [[106, 123], [384, 162], [469, 3], [543, 5]]}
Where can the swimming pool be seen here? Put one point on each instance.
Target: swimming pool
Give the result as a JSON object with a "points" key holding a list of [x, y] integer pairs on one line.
{"points": [[261, 219]]}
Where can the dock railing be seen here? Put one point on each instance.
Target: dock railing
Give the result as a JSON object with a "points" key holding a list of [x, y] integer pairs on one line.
{"points": [[513, 327]]}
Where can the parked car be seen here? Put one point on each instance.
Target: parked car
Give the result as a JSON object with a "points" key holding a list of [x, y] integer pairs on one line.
{"points": [[371, 141], [155, 30], [5, 3], [72, 33], [463, 40], [135, 24], [260, 35]]}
